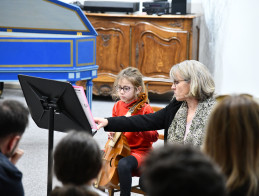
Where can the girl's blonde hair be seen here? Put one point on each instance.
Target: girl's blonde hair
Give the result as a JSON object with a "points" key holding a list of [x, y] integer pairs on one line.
{"points": [[131, 74]]}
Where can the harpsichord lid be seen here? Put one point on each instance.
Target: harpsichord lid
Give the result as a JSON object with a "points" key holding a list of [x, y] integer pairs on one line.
{"points": [[43, 16]]}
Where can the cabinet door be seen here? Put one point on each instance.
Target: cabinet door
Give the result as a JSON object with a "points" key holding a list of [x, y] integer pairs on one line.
{"points": [[156, 49], [112, 47]]}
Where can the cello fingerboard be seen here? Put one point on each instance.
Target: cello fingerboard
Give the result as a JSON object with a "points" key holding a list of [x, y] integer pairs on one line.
{"points": [[115, 139]]}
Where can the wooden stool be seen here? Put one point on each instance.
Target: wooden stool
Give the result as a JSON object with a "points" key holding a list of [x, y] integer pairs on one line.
{"points": [[134, 189]]}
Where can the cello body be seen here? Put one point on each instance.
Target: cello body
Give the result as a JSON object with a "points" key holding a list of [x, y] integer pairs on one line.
{"points": [[109, 174]]}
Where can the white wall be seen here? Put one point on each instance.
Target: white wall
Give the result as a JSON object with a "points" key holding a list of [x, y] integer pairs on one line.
{"points": [[240, 67], [233, 44]]}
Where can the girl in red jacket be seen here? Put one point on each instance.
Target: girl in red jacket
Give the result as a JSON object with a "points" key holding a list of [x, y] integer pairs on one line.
{"points": [[127, 87]]}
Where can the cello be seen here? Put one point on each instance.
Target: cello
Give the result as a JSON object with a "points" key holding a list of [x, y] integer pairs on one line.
{"points": [[115, 149]]}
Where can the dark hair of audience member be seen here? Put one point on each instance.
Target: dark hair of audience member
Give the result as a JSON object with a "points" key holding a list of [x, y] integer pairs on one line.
{"points": [[14, 118], [75, 160], [181, 170]]}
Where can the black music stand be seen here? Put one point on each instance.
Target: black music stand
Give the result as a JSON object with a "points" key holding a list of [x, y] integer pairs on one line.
{"points": [[53, 105]]}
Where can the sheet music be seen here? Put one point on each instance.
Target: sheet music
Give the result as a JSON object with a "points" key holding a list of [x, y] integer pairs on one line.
{"points": [[82, 98]]}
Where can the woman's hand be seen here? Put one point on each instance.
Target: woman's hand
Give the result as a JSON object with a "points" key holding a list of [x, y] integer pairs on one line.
{"points": [[101, 122]]}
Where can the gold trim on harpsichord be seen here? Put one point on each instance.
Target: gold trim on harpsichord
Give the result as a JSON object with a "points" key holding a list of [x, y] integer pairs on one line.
{"points": [[42, 40], [27, 28], [84, 40]]}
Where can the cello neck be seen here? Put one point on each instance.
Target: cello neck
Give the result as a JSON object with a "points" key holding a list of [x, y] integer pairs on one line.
{"points": [[115, 139]]}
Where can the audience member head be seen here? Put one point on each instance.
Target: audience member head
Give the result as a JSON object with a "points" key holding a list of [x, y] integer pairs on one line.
{"points": [[72, 190], [13, 121], [202, 85], [77, 159], [181, 170], [14, 118], [232, 141]]}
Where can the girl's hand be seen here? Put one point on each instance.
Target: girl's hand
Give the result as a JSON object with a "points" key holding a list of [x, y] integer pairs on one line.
{"points": [[101, 122], [110, 135]]}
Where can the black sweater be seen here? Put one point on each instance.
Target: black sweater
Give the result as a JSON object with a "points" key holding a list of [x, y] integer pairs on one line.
{"points": [[161, 119], [10, 178]]}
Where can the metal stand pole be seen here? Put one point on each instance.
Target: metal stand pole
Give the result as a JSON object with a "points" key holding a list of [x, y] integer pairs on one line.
{"points": [[50, 157]]}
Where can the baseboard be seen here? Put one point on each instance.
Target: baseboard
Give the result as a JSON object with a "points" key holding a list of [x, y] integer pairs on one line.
{"points": [[12, 85]]}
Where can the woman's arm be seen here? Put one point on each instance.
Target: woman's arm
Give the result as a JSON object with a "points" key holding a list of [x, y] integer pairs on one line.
{"points": [[135, 123], [155, 121], [147, 122]]}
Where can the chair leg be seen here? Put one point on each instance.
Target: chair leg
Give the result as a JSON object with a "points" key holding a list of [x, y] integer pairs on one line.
{"points": [[111, 191], [137, 189]]}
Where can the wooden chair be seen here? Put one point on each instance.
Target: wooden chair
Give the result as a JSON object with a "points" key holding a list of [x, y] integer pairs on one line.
{"points": [[134, 189], [221, 97], [155, 109]]}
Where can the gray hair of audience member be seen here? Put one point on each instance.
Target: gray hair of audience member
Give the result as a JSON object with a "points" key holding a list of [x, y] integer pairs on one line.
{"points": [[14, 118], [77, 158], [202, 85], [181, 170]]}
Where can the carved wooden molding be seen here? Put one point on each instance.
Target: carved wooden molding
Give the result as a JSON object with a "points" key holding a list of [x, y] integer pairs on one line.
{"points": [[176, 24]]}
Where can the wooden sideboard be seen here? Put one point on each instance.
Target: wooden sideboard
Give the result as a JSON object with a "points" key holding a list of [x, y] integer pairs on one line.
{"points": [[153, 44]]}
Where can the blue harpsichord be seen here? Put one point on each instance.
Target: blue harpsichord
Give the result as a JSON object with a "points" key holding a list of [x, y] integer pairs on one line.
{"points": [[48, 39]]}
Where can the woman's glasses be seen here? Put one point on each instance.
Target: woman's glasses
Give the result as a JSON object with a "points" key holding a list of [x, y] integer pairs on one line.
{"points": [[176, 82]]}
